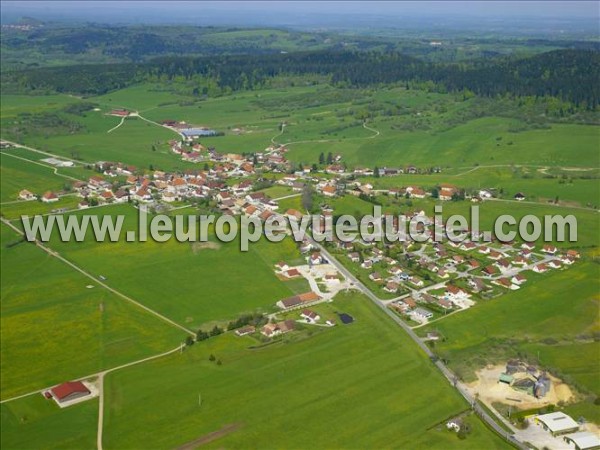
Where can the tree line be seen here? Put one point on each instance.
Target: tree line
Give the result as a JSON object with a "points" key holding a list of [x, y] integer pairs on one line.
{"points": [[570, 75]]}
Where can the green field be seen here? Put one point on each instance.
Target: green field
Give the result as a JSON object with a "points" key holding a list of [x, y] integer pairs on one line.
{"points": [[68, 330], [191, 283], [318, 389], [16, 175], [34, 422]]}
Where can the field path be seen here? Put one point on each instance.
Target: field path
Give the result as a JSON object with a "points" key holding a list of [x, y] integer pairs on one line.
{"points": [[100, 385], [136, 114], [308, 141], [14, 144], [118, 125], [97, 281], [43, 165]]}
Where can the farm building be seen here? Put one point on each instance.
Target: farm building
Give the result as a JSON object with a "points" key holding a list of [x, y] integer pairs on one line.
{"points": [[557, 423], [195, 133], [69, 391], [245, 330], [583, 440]]}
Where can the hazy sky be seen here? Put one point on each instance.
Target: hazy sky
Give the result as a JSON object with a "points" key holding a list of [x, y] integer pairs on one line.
{"points": [[286, 11]]}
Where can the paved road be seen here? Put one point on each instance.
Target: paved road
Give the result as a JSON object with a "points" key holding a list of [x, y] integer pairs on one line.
{"points": [[14, 144], [439, 364]]}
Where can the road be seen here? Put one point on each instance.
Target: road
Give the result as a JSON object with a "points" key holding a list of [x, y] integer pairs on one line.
{"points": [[452, 379]]}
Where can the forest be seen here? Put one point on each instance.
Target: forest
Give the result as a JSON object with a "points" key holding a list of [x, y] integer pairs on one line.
{"points": [[569, 75]]}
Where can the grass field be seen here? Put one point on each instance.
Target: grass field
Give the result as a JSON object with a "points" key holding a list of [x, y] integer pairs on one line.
{"points": [[54, 328], [16, 175], [319, 389], [189, 283], [34, 422]]}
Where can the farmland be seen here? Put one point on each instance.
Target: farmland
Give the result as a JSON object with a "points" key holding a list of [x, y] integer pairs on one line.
{"points": [[193, 283], [68, 329], [304, 379]]}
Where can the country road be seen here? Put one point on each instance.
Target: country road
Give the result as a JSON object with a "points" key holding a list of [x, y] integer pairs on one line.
{"points": [[452, 379]]}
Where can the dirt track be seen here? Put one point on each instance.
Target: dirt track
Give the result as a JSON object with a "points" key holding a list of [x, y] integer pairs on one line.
{"points": [[227, 429]]}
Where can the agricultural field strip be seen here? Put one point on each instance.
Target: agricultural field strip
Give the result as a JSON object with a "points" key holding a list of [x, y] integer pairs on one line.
{"points": [[439, 364], [55, 169], [78, 162], [308, 141], [540, 203], [493, 166], [114, 291]]}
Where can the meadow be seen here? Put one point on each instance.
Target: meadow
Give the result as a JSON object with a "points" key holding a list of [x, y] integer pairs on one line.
{"points": [[16, 175], [319, 389], [35, 422], [191, 283], [54, 328]]}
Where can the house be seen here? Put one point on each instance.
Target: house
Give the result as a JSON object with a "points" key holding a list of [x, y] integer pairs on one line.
{"points": [[422, 314], [473, 264], [329, 191], [416, 281], [518, 279], [69, 391], [293, 214], [554, 264], [446, 304], [315, 259], [310, 316], [391, 287], [503, 282], [494, 255], [26, 195], [292, 273], [519, 196], [375, 277], [549, 249], [489, 270], [270, 330], [540, 268], [557, 423], [476, 284], [282, 266], [49, 197], [367, 264], [573, 254], [245, 330], [354, 257], [455, 293], [527, 246]]}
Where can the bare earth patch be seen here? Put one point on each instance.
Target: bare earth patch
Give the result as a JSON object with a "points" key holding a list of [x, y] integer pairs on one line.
{"points": [[197, 246], [227, 429], [490, 390]]}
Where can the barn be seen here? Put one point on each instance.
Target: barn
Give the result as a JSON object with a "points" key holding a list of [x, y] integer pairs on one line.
{"points": [[71, 390]]}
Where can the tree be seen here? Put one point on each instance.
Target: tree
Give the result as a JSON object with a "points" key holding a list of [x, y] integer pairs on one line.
{"points": [[307, 197], [202, 335], [322, 158], [189, 341], [376, 172], [219, 362], [216, 331], [435, 193], [211, 357], [329, 158]]}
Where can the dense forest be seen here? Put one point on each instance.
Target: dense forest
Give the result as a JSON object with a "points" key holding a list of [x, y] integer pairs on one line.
{"points": [[570, 75]]}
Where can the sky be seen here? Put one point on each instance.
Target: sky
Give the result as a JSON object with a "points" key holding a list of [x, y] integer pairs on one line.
{"points": [[291, 12]]}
